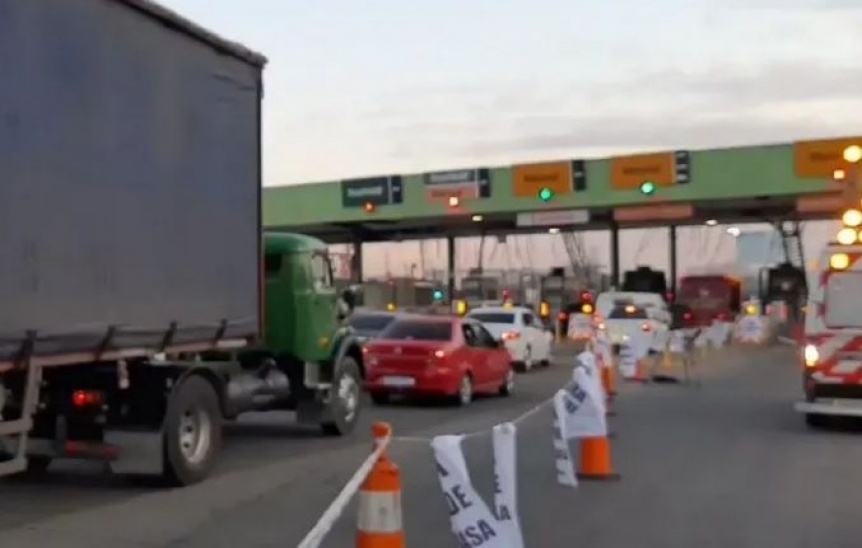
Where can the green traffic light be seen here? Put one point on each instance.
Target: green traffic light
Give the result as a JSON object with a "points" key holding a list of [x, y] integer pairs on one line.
{"points": [[647, 187], [438, 295], [545, 194]]}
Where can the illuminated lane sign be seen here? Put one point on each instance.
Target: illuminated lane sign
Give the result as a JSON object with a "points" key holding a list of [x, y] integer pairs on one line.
{"points": [[560, 178], [463, 183], [372, 190], [662, 169], [820, 159]]}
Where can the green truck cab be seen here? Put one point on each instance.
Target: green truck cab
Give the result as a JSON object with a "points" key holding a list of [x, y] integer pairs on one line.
{"points": [[303, 330]]}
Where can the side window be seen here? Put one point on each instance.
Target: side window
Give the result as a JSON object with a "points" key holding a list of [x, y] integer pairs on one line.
{"points": [[272, 265], [470, 336], [321, 271], [529, 320]]}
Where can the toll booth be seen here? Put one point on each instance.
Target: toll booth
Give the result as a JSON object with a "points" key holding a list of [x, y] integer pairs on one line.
{"points": [[477, 288], [645, 279], [556, 293], [784, 282]]}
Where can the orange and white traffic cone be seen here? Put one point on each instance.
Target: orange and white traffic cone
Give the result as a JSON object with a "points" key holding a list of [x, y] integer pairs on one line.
{"points": [[595, 459], [640, 372], [379, 523]]}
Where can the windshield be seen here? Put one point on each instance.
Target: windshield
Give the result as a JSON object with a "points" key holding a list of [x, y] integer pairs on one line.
{"points": [[418, 330], [493, 317], [627, 312], [842, 300], [374, 322]]}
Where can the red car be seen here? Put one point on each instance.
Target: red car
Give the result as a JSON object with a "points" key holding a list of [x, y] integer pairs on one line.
{"points": [[437, 356]]}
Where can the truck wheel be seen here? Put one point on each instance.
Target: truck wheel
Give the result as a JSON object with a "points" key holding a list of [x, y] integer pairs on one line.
{"points": [[344, 399], [193, 432]]}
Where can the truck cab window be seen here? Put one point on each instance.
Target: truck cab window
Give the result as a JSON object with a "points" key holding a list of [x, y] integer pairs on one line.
{"points": [[272, 265], [321, 271]]}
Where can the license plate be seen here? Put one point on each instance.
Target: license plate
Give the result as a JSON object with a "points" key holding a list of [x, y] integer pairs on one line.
{"points": [[400, 382]]}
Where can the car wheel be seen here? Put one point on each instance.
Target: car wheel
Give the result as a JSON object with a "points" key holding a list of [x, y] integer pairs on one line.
{"points": [[814, 420], [465, 391], [509, 383], [379, 398]]}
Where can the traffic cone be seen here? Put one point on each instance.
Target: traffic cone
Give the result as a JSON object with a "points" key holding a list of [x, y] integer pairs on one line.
{"points": [[379, 523], [609, 381], [640, 372], [595, 459]]}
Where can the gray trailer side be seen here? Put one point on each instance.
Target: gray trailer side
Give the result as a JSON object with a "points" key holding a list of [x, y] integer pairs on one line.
{"points": [[131, 182]]}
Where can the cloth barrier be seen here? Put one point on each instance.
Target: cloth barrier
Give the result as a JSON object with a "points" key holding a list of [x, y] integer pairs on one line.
{"points": [[580, 327], [753, 329], [579, 413]]}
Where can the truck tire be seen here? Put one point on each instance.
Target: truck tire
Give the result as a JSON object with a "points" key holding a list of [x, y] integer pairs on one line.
{"points": [[345, 399], [192, 432]]}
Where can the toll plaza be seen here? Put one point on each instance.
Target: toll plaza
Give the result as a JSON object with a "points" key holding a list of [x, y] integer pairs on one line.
{"points": [[782, 184]]}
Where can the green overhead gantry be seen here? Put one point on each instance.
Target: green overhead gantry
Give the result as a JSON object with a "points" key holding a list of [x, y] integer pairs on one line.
{"points": [[769, 183]]}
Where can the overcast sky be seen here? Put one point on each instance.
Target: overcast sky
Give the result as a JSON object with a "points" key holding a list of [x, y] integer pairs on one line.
{"points": [[361, 87]]}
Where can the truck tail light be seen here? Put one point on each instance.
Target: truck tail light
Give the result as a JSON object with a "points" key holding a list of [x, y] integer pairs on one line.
{"points": [[722, 317], [811, 355], [87, 398]]}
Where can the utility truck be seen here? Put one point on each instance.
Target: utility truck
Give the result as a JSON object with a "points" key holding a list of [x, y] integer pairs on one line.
{"points": [[142, 304]]}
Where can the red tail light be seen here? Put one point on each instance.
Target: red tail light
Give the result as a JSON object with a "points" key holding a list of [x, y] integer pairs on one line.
{"points": [[87, 398], [722, 317], [646, 327], [511, 336], [562, 316], [688, 316]]}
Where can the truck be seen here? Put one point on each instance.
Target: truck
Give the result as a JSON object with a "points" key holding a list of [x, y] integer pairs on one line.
{"points": [[831, 345], [710, 298], [645, 279], [143, 305]]}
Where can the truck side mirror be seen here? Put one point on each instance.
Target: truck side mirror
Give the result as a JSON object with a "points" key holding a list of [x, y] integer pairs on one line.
{"points": [[349, 298]]}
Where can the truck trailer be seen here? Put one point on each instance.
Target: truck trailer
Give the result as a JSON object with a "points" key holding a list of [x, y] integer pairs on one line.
{"points": [[143, 305]]}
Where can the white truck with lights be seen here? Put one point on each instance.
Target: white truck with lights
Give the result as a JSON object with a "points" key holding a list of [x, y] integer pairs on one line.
{"points": [[831, 351]]}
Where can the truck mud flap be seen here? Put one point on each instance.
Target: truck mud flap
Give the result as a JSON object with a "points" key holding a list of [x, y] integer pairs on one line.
{"points": [[837, 407], [140, 452]]}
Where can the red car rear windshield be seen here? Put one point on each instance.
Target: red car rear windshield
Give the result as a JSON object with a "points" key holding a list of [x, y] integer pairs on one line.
{"points": [[417, 330]]}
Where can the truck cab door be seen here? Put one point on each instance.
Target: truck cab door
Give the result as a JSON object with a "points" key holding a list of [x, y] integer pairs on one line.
{"points": [[323, 313]]}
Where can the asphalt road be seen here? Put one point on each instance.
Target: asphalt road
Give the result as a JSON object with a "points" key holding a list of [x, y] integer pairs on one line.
{"points": [[726, 464]]}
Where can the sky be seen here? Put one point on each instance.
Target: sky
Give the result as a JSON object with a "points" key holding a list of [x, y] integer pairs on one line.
{"points": [[371, 87]]}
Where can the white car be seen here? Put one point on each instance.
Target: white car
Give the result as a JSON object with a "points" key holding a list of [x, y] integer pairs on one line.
{"points": [[626, 322], [520, 330]]}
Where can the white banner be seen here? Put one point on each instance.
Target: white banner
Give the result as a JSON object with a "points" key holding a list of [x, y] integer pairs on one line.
{"points": [[562, 452], [472, 522], [751, 329], [580, 326], [628, 360], [719, 333], [677, 341], [588, 360], [584, 407], [505, 483]]}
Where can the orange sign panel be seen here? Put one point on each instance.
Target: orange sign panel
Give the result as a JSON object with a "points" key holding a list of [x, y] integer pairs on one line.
{"points": [[659, 212], [819, 159], [629, 172], [529, 179]]}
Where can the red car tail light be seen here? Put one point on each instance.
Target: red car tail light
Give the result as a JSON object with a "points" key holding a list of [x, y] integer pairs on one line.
{"points": [[646, 327], [511, 336]]}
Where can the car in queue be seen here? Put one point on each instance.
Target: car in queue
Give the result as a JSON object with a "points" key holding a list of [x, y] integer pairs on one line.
{"points": [[368, 324], [627, 322], [520, 330], [438, 356]]}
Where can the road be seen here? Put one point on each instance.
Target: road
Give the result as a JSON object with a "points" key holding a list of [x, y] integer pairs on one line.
{"points": [[726, 464]]}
